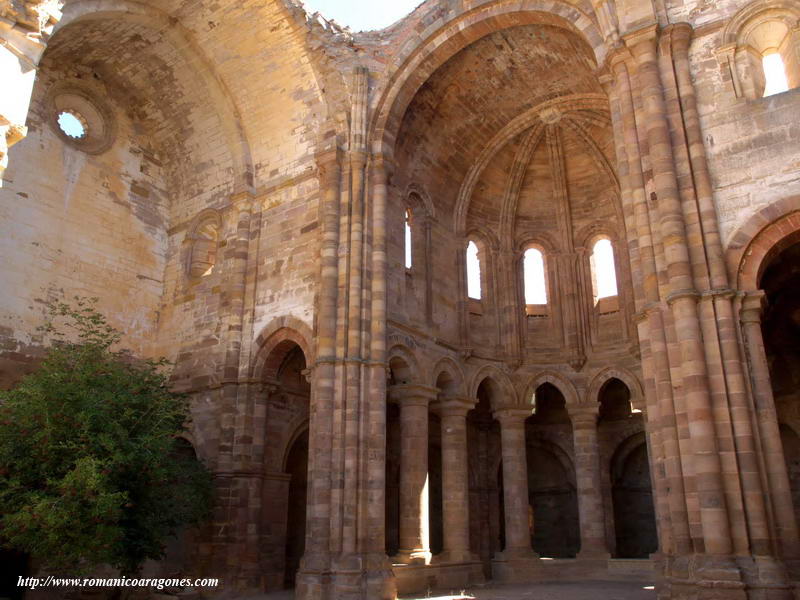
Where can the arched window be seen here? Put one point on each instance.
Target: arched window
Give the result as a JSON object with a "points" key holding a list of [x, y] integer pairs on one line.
{"points": [[604, 274], [761, 45], [533, 275], [775, 78], [473, 271], [409, 261]]}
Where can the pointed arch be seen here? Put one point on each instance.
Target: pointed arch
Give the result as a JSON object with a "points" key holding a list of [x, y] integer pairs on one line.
{"points": [[402, 358], [450, 368], [629, 379], [279, 333], [498, 377], [558, 381]]}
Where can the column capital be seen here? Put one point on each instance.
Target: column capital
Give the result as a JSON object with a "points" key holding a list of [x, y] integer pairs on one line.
{"points": [[329, 162], [646, 35], [753, 304], [584, 414], [382, 163], [511, 416], [681, 36], [358, 159], [412, 394], [454, 406]]}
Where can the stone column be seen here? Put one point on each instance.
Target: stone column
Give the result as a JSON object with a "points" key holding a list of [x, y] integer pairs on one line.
{"points": [[312, 576], [455, 479], [682, 300], [587, 478], [777, 476], [414, 536], [515, 482], [652, 337]]}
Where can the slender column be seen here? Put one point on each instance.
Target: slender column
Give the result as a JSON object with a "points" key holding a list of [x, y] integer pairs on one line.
{"points": [[683, 302], [587, 477], [719, 307], [414, 536], [767, 419], [515, 482], [455, 479], [655, 357], [316, 558]]}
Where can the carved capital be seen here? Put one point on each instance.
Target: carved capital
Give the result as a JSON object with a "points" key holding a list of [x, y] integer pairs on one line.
{"points": [[681, 37], [642, 40], [512, 416], [753, 306], [381, 168], [453, 406], [584, 415], [412, 394], [329, 164]]}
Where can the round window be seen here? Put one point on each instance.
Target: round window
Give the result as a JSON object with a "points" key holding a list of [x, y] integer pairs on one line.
{"points": [[72, 124], [80, 120]]}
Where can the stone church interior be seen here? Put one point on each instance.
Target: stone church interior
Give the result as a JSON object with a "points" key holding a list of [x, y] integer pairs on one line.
{"points": [[508, 291]]}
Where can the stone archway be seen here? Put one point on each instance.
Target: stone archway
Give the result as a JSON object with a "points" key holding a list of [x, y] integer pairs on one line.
{"points": [[632, 495], [286, 464], [780, 326], [297, 470], [551, 476]]}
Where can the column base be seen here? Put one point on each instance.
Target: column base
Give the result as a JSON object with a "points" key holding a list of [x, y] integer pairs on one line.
{"points": [[706, 577], [593, 555], [313, 580], [456, 570], [766, 578], [516, 565], [412, 557], [361, 576]]}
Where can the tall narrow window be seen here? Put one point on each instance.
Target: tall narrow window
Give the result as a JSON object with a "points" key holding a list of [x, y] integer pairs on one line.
{"points": [[533, 273], [473, 271], [408, 239], [774, 73], [604, 273]]}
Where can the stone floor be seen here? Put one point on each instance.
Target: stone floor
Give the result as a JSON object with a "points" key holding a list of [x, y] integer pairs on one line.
{"points": [[585, 590]]}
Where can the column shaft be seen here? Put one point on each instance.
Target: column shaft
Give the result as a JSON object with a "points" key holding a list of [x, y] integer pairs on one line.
{"points": [[657, 358], [318, 512], [683, 304], [777, 476], [515, 482], [587, 477], [455, 481], [414, 536]]}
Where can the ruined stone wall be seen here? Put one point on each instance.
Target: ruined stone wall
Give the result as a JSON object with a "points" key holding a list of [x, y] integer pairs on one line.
{"points": [[180, 150], [81, 224]]}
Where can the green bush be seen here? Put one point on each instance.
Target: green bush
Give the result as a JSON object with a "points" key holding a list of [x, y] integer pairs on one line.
{"points": [[90, 471]]}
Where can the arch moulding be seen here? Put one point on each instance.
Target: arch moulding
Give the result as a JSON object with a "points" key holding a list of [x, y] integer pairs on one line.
{"points": [[420, 61], [563, 384], [449, 366], [276, 332], [767, 232], [629, 379], [501, 379]]}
